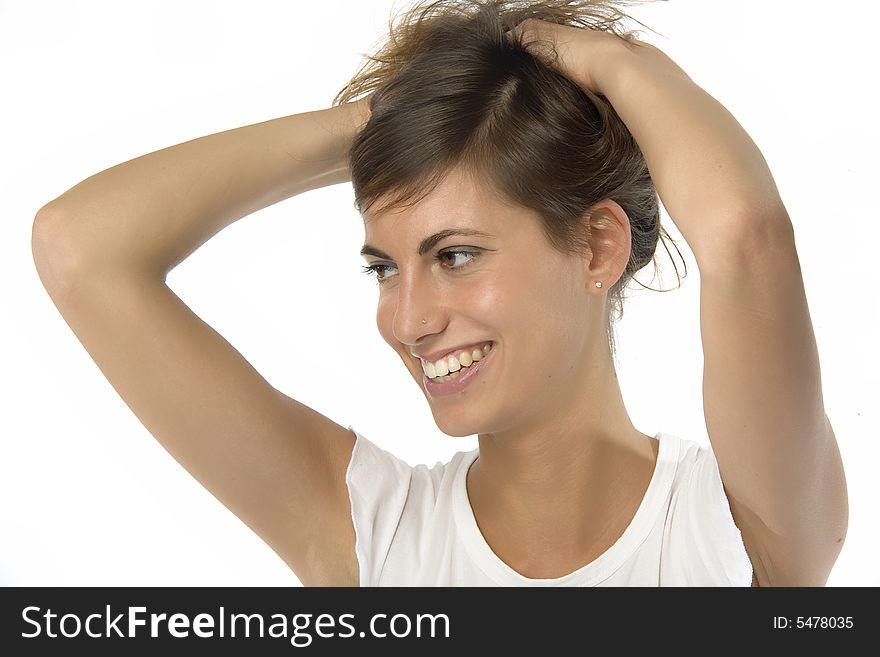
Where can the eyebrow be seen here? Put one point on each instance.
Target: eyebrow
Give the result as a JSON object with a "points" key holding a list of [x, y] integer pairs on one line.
{"points": [[428, 243]]}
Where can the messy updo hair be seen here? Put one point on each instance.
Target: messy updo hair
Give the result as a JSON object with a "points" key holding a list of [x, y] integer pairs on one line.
{"points": [[449, 88]]}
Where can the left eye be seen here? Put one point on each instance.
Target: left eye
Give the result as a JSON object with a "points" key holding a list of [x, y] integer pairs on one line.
{"points": [[455, 254]]}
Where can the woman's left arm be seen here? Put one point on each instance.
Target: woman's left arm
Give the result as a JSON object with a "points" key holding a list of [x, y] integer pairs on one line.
{"points": [[762, 394]]}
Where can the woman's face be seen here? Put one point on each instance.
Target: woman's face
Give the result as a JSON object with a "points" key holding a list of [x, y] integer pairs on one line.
{"points": [[505, 286]]}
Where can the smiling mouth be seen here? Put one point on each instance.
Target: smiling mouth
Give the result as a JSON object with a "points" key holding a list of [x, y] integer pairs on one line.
{"points": [[448, 368], [455, 382]]}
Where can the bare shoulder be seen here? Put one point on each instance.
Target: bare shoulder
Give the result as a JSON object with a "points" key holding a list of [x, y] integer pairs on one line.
{"points": [[275, 463], [332, 559]]}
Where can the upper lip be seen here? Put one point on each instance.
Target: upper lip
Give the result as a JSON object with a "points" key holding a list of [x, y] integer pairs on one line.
{"points": [[443, 353]]}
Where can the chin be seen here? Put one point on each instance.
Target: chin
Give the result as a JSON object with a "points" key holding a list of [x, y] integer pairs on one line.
{"points": [[456, 427]]}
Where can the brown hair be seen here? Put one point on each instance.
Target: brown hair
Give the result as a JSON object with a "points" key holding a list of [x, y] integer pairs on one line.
{"points": [[450, 89]]}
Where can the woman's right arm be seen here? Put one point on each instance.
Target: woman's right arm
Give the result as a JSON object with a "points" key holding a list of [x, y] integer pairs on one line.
{"points": [[103, 250], [149, 213]]}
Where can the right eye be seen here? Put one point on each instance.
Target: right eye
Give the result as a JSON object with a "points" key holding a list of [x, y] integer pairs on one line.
{"points": [[377, 271]]}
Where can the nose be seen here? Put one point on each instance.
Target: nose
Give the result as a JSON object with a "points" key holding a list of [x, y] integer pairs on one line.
{"points": [[417, 300]]}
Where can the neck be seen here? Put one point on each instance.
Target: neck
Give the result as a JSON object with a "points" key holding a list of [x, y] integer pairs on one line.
{"points": [[559, 477]]}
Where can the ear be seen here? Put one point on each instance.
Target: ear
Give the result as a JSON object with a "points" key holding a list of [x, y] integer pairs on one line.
{"points": [[610, 242]]}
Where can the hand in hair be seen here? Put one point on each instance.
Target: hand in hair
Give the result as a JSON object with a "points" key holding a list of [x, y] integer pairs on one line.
{"points": [[583, 55], [709, 174]]}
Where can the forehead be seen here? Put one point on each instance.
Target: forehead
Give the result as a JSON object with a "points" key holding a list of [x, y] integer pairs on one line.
{"points": [[460, 200]]}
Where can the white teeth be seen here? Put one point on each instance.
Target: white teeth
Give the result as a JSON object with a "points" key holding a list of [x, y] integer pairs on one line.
{"points": [[450, 364]]}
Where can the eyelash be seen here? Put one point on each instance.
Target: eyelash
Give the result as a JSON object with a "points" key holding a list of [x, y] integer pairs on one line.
{"points": [[372, 270]]}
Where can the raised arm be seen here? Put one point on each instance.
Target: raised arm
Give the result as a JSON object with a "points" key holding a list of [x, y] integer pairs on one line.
{"points": [[710, 175], [151, 212], [762, 393], [103, 250]]}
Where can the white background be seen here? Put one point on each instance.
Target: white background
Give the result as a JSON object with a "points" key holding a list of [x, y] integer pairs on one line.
{"points": [[88, 497]]}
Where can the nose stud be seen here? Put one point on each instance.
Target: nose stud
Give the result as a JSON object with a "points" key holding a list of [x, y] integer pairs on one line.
{"points": [[424, 321]]}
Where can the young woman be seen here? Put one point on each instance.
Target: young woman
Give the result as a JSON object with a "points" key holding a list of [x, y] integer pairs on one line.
{"points": [[507, 160]]}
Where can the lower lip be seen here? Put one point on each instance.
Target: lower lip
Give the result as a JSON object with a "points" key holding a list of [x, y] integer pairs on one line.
{"points": [[467, 375]]}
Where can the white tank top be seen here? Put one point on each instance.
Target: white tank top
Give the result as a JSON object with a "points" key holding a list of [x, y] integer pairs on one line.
{"points": [[415, 526]]}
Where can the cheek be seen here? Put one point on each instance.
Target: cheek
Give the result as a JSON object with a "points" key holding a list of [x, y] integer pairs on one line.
{"points": [[543, 299], [486, 300], [526, 289]]}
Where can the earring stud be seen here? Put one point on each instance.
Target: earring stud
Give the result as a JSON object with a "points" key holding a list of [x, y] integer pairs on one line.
{"points": [[598, 283]]}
